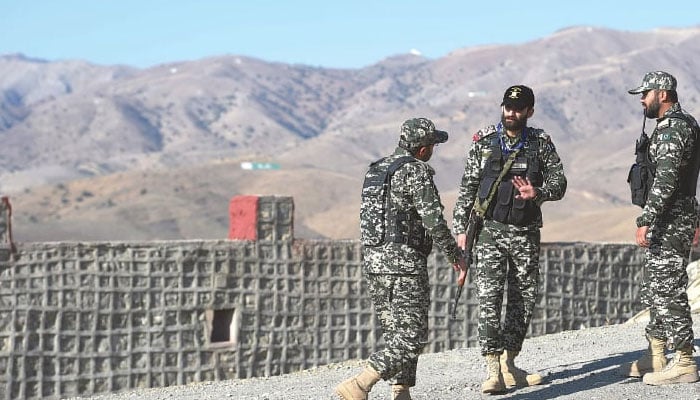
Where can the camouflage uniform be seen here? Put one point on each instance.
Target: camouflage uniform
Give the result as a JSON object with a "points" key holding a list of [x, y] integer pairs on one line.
{"points": [[671, 217], [506, 252], [396, 274]]}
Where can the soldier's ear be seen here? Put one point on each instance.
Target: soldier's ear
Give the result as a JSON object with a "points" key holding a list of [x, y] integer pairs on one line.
{"points": [[530, 112], [424, 152]]}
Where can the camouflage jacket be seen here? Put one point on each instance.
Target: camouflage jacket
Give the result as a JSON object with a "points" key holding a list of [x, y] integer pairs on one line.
{"points": [[672, 149], [412, 186], [553, 188]]}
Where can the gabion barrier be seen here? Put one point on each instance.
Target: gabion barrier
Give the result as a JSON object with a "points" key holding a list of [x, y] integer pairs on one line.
{"points": [[87, 318]]}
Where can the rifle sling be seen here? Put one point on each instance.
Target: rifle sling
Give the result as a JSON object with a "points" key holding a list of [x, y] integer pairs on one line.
{"points": [[481, 208]]}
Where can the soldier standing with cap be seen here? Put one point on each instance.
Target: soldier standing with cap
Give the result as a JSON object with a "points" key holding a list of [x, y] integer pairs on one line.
{"points": [[511, 169], [663, 183], [397, 233]]}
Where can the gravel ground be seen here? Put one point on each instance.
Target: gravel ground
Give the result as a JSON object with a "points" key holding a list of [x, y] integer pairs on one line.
{"points": [[576, 365]]}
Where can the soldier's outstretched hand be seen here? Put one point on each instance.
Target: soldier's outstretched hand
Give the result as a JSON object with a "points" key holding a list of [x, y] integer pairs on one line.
{"points": [[524, 187]]}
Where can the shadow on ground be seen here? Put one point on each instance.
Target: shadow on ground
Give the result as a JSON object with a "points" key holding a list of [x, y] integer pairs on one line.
{"points": [[577, 378]]}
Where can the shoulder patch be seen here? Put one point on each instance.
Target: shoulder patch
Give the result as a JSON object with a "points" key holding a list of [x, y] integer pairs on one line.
{"points": [[545, 139], [540, 133], [664, 124], [484, 132]]}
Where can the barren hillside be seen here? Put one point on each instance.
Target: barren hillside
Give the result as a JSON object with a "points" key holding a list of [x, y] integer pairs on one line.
{"points": [[112, 152]]}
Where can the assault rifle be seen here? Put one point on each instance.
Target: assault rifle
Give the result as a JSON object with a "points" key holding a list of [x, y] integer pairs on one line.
{"points": [[473, 229]]}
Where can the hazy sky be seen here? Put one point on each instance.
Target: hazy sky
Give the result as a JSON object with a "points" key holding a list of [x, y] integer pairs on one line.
{"points": [[344, 34]]}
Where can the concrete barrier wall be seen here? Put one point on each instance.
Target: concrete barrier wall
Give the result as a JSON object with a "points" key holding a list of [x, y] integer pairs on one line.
{"points": [[83, 318], [88, 318]]}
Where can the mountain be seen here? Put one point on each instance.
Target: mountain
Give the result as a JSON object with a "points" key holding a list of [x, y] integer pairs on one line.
{"points": [[113, 152]]}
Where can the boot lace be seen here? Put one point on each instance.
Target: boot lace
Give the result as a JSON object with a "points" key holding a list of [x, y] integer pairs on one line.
{"points": [[673, 362]]}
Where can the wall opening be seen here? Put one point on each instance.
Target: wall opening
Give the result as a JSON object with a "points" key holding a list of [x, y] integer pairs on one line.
{"points": [[223, 326]]}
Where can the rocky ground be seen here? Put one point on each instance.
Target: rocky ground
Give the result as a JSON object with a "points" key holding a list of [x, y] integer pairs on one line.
{"points": [[577, 365]]}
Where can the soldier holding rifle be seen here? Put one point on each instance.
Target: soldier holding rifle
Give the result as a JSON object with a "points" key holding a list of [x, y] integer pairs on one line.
{"points": [[511, 169]]}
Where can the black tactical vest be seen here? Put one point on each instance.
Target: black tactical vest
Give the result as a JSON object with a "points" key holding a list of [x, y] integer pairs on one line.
{"points": [[642, 173], [380, 222], [504, 207]]}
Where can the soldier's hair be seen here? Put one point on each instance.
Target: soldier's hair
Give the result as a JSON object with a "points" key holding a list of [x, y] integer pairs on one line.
{"points": [[672, 96], [413, 149]]}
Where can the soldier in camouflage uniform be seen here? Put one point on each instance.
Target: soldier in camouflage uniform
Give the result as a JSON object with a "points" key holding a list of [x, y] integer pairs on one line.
{"points": [[665, 229], [508, 245], [395, 267]]}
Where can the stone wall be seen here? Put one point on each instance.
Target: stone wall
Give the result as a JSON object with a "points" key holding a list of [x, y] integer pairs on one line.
{"points": [[87, 318]]}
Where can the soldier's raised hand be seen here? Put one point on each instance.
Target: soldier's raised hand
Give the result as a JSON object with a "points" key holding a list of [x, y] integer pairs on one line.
{"points": [[524, 187]]}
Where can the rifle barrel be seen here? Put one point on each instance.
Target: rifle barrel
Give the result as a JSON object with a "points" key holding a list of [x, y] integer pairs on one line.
{"points": [[454, 306]]}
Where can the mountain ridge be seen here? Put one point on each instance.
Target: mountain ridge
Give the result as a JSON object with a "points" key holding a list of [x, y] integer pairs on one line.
{"points": [[70, 126]]}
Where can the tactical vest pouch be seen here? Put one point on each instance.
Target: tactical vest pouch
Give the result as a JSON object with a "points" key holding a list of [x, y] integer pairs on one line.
{"points": [[375, 200], [522, 212], [640, 179], [501, 207], [505, 207], [485, 186], [510, 210], [491, 174], [407, 228], [642, 172], [372, 212]]}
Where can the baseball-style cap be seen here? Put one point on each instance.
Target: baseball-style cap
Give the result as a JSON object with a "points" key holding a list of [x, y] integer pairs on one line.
{"points": [[419, 132], [655, 80], [518, 97]]}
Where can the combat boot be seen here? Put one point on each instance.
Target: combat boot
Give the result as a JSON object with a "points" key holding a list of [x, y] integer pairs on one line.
{"points": [[681, 369], [654, 360], [514, 376], [358, 387], [400, 392], [494, 383]]}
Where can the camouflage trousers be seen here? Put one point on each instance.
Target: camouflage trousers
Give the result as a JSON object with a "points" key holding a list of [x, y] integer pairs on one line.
{"points": [[402, 303], [506, 253], [666, 279]]}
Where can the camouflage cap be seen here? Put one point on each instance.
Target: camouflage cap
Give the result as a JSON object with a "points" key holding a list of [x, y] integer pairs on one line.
{"points": [[655, 80], [419, 132]]}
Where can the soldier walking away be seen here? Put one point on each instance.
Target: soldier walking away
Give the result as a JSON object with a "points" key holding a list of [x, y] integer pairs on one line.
{"points": [[511, 169], [662, 182], [400, 217]]}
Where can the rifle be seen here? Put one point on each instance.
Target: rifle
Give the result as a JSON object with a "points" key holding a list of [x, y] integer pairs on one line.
{"points": [[642, 172], [473, 229], [476, 220]]}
